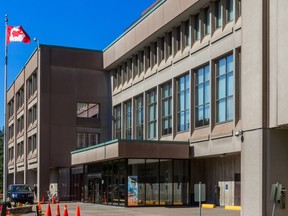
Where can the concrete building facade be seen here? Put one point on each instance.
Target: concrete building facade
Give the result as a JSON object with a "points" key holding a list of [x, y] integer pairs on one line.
{"points": [[58, 103], [198, 95]]}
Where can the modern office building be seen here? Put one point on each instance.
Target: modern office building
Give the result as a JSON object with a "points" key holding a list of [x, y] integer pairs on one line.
{"points": [[198, 95], [59, 102]]}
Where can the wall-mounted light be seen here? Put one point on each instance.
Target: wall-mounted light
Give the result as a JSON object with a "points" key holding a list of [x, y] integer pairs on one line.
{"points": [[238, 133]]}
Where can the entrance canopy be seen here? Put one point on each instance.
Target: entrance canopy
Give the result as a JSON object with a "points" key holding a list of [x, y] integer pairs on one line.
{"points": [[117, 149]]}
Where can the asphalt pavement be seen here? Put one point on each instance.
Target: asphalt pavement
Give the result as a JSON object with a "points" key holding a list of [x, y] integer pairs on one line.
{"points": [[88, 209]]}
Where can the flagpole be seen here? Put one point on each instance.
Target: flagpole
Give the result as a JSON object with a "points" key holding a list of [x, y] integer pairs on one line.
{"points": [[4, 132]]}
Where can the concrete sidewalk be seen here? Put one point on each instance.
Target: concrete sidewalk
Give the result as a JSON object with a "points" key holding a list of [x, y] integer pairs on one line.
{"points": [[88, 209]]}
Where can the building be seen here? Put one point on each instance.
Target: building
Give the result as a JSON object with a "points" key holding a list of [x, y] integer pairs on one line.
{"points": [[58, 103], [198, 95]]}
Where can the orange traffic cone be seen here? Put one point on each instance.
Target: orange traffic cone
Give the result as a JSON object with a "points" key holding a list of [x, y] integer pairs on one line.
{"points": [[57, 210], [53, 200], [48, 211], [77, 213], [65, 213], [39, 206]]}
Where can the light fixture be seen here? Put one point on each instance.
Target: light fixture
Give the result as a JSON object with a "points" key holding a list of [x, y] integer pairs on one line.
{"points": [[238, 133]]}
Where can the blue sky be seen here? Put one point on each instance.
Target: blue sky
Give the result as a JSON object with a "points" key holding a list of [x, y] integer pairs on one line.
{"points": [[91, 24]]}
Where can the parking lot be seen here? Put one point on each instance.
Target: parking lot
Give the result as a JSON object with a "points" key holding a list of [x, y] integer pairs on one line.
{"points": [[88, 209]]}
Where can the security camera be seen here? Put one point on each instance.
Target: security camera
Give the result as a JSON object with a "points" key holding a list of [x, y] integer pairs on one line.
{"points": [[238, 133]]}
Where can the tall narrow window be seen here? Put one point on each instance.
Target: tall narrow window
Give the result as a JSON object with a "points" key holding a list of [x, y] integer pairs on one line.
{"points": [[161, 49], [187, 33], [207, 20], [139, 117], [20, 98], [154, 54], [10, 108], [115, 83], [230, 10], [32, 84], [125, 73], [129, 69], [117, 122], [225, 89], [141, 62], [202, 97], [218, 14], [169, 44], [135, 66], [148, 59], [166, 97], [196, 27], [152, 113], [183, 95], [128, 120], [177, 38]]}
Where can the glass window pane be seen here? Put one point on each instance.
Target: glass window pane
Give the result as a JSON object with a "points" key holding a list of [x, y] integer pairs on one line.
{"points": [[200, 94], [221, 87], [221, 110], [221, 67], [207, 92], [229, 64], [230, 84], [200, 76], [187, 99], [230, 108]]}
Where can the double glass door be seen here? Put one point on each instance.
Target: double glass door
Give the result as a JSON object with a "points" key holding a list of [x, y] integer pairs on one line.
{"points": [[95, 190]]}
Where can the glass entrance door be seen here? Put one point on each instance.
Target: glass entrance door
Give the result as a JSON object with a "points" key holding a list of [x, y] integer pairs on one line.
{"points": [[95, 190]]}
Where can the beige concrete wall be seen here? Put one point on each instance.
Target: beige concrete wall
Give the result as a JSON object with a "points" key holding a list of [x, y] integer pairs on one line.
{"points": [[166, 13], [252, 182], [278, 64]]}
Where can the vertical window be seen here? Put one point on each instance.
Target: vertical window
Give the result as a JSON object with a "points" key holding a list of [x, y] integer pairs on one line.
{"points": [[154, 54], [85, 139], [187, 33], [177, 39], [218, 14], [152, 113], [129, 70], [32, 114], [135, 66], [169, 44], [202, 97], [141, 61], [207, 20], [166, 97], [20, 124], [32, 85], [32, 144], [128, 120], [183, 95], [161, 49], [117, 123], [225, 89], [11, 154], [148, 59], [125, 73], [11, 131], [196, 27], [20, 98], [230, 10], [119, 77], [20, 149], [139, 117], [10, 108]]}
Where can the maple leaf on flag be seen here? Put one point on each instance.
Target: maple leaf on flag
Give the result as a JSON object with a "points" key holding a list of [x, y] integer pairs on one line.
{"points": [[17, 34]]}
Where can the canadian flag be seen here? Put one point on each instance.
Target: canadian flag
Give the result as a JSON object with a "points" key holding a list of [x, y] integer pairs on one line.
{"points": [[17, 34]]}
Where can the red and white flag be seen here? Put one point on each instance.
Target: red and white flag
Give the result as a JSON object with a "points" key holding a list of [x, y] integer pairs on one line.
{"points": [[17, 34]]}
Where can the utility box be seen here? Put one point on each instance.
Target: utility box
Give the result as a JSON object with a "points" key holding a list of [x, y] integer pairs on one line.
{"points": [[227, 192]]}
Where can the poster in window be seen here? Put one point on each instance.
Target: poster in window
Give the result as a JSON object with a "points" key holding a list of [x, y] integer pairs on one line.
{"points": [[132, 190]]}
